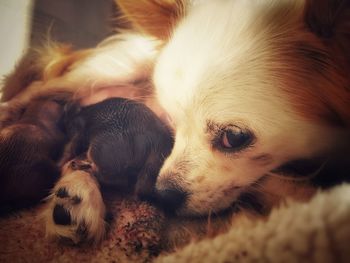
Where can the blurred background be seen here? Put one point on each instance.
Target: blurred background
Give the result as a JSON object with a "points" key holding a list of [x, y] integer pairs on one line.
{"points": [[25, 23]]}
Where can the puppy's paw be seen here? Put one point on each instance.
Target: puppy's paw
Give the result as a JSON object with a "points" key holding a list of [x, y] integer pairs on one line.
{"points": [[75, 210]]}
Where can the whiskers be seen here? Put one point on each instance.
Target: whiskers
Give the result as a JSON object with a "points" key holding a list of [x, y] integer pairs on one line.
{"points": [[253, 200], [273, 188], [217, 223], [299, 170]]}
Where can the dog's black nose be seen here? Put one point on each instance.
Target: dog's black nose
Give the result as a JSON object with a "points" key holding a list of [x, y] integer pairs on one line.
{"points": [[171, 199]]}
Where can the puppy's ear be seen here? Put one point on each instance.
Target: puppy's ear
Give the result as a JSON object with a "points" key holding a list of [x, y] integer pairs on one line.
{"points": [[153, 17]]}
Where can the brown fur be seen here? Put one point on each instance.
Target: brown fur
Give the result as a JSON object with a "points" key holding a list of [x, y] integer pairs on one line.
{"points": [[29, 148], [165, 13], [305, 51], [325, 60], [41, 64], [326, 101]]}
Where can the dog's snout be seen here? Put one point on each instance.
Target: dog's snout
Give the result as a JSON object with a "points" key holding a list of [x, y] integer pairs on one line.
{"points": [[171, 199]]}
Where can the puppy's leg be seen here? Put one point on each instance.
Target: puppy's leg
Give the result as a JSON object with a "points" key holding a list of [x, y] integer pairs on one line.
{"points": [[145, 184], [75, 209]]}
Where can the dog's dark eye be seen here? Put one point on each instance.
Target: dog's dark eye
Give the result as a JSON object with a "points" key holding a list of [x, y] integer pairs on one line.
{"points": [[235, 139]]}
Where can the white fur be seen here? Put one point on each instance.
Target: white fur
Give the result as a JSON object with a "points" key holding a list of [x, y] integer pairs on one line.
{"points": [[88, 214], [119, 60], [222, 64], [219, 66]]}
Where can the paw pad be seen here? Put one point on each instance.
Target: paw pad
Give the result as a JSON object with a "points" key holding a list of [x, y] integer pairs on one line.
{"points": [[76, 210], [61, 216]]}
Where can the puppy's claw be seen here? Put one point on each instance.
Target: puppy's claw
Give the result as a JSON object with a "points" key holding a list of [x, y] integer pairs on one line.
{"points": [[62, 193], [80, 165]]}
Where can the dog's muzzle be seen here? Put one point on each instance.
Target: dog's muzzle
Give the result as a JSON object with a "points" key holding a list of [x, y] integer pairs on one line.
{"points": [[170, 199]]}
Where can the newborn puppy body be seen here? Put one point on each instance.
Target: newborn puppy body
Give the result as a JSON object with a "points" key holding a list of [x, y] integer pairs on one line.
{"points": [[117, 143], [124, 142]]}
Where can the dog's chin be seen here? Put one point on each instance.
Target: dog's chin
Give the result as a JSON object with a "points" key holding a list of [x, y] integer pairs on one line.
{"points": [[196, 212], [194, 208]]}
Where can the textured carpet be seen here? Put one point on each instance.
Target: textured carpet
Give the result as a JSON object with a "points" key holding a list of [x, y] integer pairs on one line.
{"points": [[317, 231], [134, 236]]}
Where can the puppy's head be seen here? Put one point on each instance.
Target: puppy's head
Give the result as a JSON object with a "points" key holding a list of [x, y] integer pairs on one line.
{"points": [[251, 88], [125, 142]]}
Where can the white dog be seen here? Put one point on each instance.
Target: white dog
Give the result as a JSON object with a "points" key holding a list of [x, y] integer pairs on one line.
{"points": [[253, 89]]}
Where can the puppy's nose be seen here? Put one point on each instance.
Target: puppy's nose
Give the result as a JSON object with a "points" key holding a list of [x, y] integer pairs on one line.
{"points": [[171, 199]]}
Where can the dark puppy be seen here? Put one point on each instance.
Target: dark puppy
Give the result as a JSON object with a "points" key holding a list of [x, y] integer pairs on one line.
{"points": [[120, 141], [29, 148], [117, 143]]}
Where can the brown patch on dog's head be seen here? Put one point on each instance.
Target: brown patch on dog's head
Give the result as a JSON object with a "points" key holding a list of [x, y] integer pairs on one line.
{"points": [[326, 95], [246, 100], [322, 60]]}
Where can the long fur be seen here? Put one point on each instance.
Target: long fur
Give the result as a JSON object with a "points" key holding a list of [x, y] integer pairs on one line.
{"points": [[276, 68]]}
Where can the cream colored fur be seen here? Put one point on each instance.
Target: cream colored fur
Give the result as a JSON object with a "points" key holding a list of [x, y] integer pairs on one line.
{"points": [[117, 61], [87, 214], [315, 232], [224, 65]]}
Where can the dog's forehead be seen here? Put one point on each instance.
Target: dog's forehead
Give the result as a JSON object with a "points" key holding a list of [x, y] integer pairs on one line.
{"points": [[216, 53]]}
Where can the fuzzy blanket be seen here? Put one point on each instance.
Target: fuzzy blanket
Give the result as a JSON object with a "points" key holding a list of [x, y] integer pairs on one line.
{"points": [[318, 231], [134, 236]]}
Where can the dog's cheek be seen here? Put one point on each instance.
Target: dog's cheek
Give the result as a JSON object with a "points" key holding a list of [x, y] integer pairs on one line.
{"points": [[207, 198], [217, 185]]}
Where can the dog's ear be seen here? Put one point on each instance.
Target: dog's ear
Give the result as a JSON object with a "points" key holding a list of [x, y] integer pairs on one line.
{"points": [[330, 20], [323, 16], [153, 17]]}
